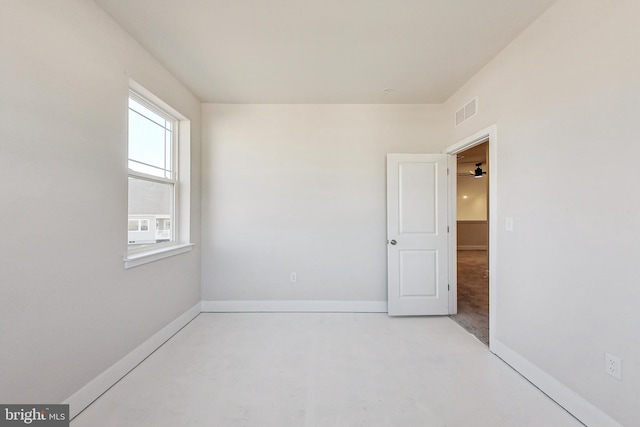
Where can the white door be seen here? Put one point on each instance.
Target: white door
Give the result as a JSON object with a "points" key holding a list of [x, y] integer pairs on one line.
{"points": [[417, 234]]}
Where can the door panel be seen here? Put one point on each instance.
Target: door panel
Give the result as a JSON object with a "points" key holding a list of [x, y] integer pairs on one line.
{"points": [[417, 212], [417, 234], [418, 270]]}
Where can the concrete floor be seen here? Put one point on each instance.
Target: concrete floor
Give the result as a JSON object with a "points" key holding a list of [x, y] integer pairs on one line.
{"points": [[321, 370]]}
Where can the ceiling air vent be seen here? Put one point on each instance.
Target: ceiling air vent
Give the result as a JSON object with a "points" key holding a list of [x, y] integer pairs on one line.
{"points": [[466, 112]]}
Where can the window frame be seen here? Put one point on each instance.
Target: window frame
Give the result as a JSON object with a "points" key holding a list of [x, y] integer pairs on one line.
{"points": [[173, 168], [180, 180]]}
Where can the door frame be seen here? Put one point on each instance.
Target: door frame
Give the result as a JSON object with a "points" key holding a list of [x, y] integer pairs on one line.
{"points": [[489, 135]]}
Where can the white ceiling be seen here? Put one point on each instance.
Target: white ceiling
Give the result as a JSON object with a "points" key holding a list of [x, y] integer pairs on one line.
{"points": [[324, 51]]}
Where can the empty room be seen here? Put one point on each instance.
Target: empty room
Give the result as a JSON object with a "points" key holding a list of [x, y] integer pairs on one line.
{"points": [[245, 213]]}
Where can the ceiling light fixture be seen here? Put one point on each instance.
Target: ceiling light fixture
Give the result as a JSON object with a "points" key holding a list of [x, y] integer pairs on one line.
{"points": [[478, 173]]}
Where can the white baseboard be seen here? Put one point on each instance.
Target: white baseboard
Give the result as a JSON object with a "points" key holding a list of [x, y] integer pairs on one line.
{"points": [[86, 395], [295, 306], [472, 248], [575, 404]]}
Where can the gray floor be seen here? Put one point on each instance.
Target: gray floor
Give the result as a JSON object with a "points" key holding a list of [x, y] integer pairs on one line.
{"points": [[321, 370]]}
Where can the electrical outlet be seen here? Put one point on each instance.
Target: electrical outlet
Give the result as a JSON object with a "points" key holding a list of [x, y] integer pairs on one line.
{"points": [[613, 365], [293, 277]]}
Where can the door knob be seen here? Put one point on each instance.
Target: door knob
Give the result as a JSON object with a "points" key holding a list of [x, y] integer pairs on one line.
{"points": [[393, 242]]}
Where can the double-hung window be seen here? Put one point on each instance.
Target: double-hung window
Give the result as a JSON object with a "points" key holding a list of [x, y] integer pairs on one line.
{"points": [[153, 182]]}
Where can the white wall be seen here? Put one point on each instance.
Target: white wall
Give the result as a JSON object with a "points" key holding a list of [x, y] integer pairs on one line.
{"points": [[302, 188], [565, 98], [68, 308], [474, 206]]}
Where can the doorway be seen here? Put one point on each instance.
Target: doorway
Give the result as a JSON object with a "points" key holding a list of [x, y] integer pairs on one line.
{"points": [[472, 240], [490, 136]]}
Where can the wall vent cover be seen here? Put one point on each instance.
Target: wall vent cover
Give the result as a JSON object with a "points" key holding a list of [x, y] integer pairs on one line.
{"points": [[459, 116], [469, 110]]}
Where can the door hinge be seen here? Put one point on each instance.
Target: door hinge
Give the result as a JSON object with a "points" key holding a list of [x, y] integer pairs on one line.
{"points": [[447, 171], [448, 287], [447, 229]]}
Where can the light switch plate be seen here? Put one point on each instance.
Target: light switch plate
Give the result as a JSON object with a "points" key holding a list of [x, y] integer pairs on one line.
{"points": [[508, 224]]}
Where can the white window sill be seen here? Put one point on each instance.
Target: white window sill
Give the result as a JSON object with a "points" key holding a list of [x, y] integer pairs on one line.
{"points": [[134, 260]]}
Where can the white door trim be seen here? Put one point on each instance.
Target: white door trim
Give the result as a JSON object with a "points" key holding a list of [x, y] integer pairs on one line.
{"points": [[489, 134]]}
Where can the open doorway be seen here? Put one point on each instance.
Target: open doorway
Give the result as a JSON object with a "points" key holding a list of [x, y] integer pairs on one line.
{"points": [[472, 241]]}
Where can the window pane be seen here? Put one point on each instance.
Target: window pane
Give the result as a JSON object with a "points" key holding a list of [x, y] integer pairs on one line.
{"points": [[150, 202], [168, 145], [148, 151], [136, 106]]}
